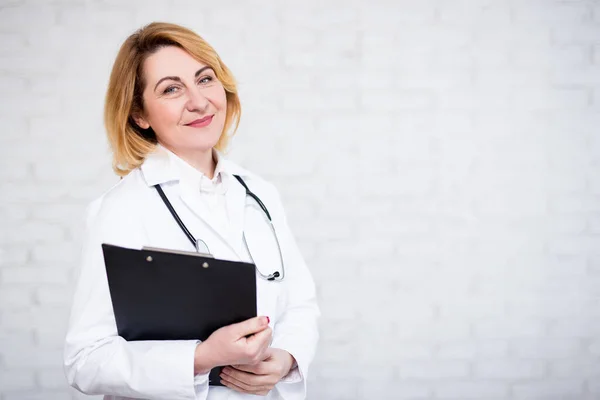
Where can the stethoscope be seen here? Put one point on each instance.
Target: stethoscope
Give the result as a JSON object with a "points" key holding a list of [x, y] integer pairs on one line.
{"points": [[197, 243]]}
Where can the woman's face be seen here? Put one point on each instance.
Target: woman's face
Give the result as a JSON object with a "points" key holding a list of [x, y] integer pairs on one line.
{"points": [[184, 103]]}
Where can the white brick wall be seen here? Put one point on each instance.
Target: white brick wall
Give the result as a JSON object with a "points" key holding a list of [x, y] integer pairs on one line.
{"points": [[439, 161]]}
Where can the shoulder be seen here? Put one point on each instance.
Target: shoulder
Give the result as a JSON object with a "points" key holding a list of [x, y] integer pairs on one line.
{"points": [[256, 183], [118, 202], [266, 191]]}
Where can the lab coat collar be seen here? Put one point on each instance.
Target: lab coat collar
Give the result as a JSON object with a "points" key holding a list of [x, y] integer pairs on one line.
{"points": [[160, 166]]}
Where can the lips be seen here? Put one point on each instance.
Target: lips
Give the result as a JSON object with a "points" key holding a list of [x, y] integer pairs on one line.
{"points": [[202, 122]]}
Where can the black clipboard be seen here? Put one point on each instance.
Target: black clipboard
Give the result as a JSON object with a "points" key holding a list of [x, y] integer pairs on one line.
{"points": [[170, 295]]}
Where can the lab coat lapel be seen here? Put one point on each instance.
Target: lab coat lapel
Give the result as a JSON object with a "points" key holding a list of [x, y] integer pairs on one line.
{"points": [[192, 199]]}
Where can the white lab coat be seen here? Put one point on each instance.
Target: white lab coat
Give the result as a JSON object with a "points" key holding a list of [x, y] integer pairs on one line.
{"points": [[131, 214]]}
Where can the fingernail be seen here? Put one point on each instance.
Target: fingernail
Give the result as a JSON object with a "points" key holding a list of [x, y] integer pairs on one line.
{"points": [[268, 320]]}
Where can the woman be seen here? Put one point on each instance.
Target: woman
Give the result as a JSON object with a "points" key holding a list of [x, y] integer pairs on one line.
{"points": [[170, 105]]}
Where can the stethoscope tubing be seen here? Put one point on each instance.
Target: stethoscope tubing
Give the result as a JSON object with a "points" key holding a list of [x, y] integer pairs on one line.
{"points": [[271, 277]]}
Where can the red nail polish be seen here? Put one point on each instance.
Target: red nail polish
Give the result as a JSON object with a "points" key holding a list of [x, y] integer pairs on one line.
{"points": [[268, 320]]}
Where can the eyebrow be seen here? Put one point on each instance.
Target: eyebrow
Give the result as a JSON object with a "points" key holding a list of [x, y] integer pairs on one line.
{"points": [[178, 79]]}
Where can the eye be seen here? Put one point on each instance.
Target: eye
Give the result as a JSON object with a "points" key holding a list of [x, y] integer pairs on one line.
{"points": [[170, 90], [206, 80]]}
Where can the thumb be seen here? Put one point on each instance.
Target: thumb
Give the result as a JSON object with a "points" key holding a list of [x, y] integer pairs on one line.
{"points": [[251, 326]]}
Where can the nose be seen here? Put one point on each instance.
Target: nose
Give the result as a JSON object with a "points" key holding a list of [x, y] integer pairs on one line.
{"points": [[196, 101]]}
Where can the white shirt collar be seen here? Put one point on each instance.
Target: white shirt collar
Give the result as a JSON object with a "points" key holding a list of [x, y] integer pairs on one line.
{"points": [[163, 166]]}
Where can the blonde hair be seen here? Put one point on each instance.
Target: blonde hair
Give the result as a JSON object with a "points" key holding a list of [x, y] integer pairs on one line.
{"points": [[131, 144]]}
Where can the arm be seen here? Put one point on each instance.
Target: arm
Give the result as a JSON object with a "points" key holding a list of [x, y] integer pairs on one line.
{"points": [[97, 360], [295, 333]]}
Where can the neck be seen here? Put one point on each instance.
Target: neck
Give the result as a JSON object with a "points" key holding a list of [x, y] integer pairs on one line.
{"points": [[202, 160]]}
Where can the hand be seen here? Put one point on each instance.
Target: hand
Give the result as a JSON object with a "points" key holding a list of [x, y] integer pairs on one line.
{"points": [[258, 378], [232, 344]]}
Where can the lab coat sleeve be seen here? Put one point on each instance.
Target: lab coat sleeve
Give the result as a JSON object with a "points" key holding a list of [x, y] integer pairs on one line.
{"points": [[96, 359], [296, 329]]}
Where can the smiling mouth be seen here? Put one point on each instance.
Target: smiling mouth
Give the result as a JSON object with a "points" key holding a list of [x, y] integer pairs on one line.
{"points": [[202, 122]]}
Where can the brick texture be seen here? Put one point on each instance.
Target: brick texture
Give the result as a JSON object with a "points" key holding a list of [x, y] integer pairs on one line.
{"points": [[439, 163]]}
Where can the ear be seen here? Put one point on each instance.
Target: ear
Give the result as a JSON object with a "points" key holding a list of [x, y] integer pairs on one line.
{"points": [[141, 121]]}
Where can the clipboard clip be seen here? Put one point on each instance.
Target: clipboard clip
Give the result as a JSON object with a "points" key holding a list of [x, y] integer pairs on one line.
{"points": [[181, 252]]}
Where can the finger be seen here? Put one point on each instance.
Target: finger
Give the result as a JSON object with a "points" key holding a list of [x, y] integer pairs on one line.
{"points": [[251, 326], [237, 388], [261, 339], [246, 378], [233, 386], [251, 368], [264, 367], [245, 382]]}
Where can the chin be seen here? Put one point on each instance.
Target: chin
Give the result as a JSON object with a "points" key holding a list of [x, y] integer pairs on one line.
{"points": [[203, 145]]}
